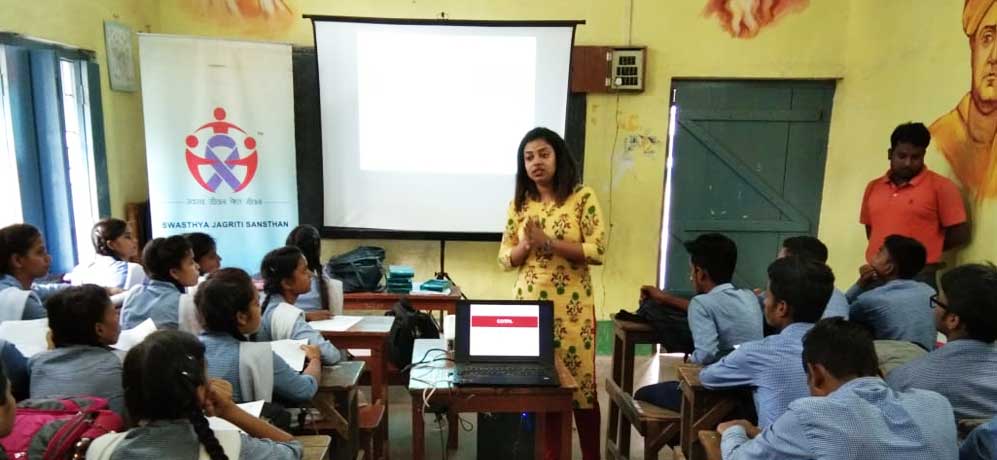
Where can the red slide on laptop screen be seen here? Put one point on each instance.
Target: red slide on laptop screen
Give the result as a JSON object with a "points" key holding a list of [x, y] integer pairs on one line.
{"points": [[504, 330]]}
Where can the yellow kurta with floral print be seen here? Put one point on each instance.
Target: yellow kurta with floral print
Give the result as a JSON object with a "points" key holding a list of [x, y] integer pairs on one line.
{"points": [[568, 285]]}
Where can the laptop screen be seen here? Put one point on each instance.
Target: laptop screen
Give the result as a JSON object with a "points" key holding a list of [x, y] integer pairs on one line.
{"points": [[504, 330]]}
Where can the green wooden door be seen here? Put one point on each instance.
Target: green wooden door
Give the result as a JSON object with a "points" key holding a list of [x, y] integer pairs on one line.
{"points": [[748, 161]]}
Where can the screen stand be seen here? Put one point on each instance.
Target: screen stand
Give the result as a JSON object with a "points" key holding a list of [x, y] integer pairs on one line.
{"points": [[442, 274]]}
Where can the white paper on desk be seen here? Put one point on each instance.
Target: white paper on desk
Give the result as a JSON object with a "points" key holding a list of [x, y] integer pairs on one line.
{"points": [[29, 336], [219, 424], [421, 292], [135, 335], [290, 351], [338, 323]]}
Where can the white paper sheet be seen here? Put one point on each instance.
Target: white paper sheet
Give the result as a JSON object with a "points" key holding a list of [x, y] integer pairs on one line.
{"points": [[29, 336], [290, 351], [338, 323], [135, 335], [219, 424]]}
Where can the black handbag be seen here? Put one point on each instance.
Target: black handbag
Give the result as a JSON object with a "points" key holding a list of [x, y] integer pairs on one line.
{"points": [[360, 270]]}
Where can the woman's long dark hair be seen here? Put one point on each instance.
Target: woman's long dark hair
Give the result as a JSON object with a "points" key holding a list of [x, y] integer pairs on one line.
{"points": [[565, 175], [307, 239], [160, 379], [278, 265], [106, 231], [226, 292]]}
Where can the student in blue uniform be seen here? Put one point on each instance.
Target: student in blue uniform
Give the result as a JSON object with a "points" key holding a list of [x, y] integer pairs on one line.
{"points": [[115, 248], [169, 394], [286, 276], [808, 247], [84, 325], [229, 304], [889, 300], [325, 295], [171, 267], [205, 252], [23, 259]]}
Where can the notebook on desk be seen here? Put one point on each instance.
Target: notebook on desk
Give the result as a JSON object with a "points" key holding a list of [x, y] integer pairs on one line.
{"points": [[505, 343]]}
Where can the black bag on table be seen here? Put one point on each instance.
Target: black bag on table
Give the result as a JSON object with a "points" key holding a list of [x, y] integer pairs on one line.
{"points": [[360, 270], [410, 324], [671, 326]]}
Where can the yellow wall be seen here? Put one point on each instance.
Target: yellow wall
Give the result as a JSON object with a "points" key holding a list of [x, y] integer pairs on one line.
{"points": [[896, 60], [80, 23]]}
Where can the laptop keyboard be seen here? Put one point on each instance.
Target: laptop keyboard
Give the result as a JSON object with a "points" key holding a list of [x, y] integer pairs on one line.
{"points": [[518, 371]]}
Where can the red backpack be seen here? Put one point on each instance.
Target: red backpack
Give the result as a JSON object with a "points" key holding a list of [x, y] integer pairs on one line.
{"points": [[59, 429]]}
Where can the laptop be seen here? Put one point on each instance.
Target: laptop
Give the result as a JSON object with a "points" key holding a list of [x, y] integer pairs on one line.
{"points": [[505, 343]]}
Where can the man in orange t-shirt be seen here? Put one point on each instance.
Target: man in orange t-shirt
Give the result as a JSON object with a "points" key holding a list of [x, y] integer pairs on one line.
{"points": [[912, 201]]}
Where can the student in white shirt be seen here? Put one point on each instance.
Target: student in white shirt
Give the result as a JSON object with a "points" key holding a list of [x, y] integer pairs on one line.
{"points": [[112, 266]]}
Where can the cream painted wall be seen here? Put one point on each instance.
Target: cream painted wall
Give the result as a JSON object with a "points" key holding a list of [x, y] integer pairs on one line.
{"points": [[80, 23], [895, 60]]}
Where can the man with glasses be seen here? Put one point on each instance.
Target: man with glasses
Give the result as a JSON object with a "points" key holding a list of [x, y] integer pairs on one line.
{"points": [[965, 369]]}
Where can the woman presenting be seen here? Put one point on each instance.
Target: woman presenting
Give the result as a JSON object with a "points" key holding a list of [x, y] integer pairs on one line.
{"points": [[553, 233]]}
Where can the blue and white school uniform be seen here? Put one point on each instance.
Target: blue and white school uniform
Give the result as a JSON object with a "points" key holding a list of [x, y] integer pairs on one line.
{"points": [[108, 272], [17, 303], [164, 439], [78, 370], [283, 321], [169, 306], [313, 301], [254, 370]]}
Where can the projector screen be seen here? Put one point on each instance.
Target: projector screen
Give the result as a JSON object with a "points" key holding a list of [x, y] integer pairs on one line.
{"points": [[421, 121]]}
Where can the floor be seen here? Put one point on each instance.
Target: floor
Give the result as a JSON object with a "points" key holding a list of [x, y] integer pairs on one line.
{"points": [[648, 369]]}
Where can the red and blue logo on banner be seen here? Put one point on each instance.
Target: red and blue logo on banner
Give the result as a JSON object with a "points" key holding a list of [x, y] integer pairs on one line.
{"points": [[222, 143]]}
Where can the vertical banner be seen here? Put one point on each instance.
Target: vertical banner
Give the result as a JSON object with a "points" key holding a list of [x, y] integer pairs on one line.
{"points": [[219, 134]]}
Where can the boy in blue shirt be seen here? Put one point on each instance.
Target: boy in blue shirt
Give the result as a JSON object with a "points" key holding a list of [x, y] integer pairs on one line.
{"points": [[720, 316]]}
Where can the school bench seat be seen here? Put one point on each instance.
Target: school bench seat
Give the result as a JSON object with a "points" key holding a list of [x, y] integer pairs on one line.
{"points": [[657, 425], [371, 417]]}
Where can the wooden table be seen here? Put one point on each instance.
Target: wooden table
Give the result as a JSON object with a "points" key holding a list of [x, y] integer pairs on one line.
{"points": [[626, 336], [371, 333], [702, 409], [546, 402], [315, 447], [424, 302]]}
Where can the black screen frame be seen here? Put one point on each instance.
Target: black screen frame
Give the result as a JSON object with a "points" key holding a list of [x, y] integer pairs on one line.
{"points": [[463, 330]]}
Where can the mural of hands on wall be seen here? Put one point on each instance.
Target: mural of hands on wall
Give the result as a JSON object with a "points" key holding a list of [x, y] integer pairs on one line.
{"points": [[253, 15], [746, 18]]}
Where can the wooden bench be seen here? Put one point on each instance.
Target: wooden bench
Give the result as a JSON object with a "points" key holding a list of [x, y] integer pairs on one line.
{"points": [[371, 416], [702, 409], [657, 425], [315, 447], [626, 336], [711, 444], [336, 401]]}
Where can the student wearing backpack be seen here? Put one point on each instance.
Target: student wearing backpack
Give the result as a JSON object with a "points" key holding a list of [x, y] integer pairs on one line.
{"points": [[171, 267], [23, 259], [325, 295], [84, 325], [286, 276], [229, 304], [168, 393]]}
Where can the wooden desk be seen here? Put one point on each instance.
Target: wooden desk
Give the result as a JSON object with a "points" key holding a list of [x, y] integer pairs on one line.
{"points": [[702, 409], [546, 402], [383, 301], [371, 333], [336, 400], [626, 336], [315, 447]]}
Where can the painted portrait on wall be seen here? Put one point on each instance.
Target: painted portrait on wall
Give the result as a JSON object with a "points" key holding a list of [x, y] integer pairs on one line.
{"points": [[746, 18], [965, 135]]}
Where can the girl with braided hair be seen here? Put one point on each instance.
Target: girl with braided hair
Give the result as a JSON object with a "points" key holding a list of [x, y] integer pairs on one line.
{"points": [[286, 276], [325, 296], [168, 392], [114, 263]]}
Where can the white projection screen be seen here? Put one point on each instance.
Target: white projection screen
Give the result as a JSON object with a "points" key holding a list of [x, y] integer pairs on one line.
{"points": [[421, 120]]}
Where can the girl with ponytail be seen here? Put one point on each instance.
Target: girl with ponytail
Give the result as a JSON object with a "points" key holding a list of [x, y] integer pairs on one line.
{"points": [[229, 307], [286, 276], [169, 394], [325, 296], [114, 263]]}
